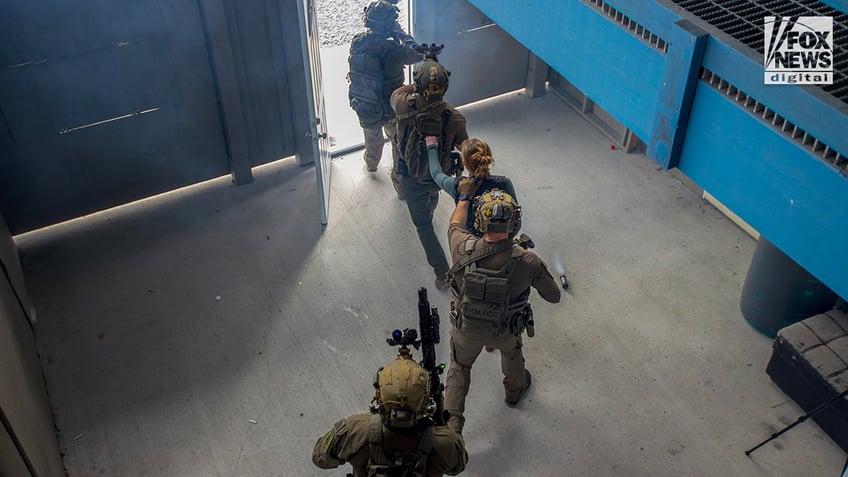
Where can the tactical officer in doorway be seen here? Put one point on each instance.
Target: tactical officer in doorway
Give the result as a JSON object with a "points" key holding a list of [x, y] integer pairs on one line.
{"points": [[422, 112], [398, 437], [376, 62], [492, 280]]}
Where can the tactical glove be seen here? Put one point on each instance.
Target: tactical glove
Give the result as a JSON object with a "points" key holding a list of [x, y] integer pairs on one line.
{"points": [[468, 186]]}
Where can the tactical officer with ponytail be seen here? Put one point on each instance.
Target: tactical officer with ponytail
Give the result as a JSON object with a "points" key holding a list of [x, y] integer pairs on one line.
{"points": [[398, 437], [492, 277], [476, 157], [377, 58]]}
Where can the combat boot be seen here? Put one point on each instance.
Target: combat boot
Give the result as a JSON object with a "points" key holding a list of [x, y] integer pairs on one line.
{"points": [[528, 379]]}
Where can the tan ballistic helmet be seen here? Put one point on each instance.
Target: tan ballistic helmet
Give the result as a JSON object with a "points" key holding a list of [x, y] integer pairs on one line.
{"points": [[431, 79], [497, 212], [380, 16], [402, 397]]}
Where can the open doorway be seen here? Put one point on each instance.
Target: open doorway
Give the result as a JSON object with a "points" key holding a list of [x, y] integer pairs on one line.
{"points": [[338, 22]]}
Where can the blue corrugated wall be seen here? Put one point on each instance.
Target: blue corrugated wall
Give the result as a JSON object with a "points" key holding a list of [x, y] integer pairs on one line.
{"points": [[788, 193]]}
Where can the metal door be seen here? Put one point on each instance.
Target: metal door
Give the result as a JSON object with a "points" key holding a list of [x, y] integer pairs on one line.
{"points": [[315, 97], [484, 60], [102, 103]]}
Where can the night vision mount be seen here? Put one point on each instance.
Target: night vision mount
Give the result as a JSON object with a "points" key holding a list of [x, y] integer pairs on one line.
{"points": [[406, 338], [429, 50]]}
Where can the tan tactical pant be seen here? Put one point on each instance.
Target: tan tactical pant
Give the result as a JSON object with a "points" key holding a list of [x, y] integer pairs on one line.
{"points": [[374, 141], [465, 347]]}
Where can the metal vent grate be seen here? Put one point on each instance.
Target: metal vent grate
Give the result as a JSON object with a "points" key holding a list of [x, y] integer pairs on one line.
{"points": [[638, 30], [743, 20], [778, 122]]}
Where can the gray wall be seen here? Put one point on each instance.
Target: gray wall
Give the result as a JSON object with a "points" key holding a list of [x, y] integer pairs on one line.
{"points": [[192, 89], [132, 99], [484, 61], [28, 445]]}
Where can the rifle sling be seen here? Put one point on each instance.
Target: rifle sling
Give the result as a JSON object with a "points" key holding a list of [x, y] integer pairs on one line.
{"points": [[415, 112], [479, 254]]}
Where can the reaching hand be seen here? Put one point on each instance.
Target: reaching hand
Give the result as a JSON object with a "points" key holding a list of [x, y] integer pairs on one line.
{"points": [[468, 186], [431, 141]]}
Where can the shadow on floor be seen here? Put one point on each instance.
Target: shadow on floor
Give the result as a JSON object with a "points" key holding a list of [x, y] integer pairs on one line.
{"points": [[645, 368]]}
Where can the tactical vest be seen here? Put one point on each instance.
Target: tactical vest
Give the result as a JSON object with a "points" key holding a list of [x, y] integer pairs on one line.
{"points": [[490, 183], [417, 124], [482, 301], [379, 465], [367, 92]]}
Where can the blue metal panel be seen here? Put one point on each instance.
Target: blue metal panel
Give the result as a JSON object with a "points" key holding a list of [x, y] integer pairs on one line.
{"points": [[682, 65], [795, 200], [810, 108], [618, 71], [840, 5], [790, 195], [648, 13]]}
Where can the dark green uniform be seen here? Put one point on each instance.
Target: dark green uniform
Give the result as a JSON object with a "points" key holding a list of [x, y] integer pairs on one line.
{"points": [[390, 55], [415, 184], [348, 441]]}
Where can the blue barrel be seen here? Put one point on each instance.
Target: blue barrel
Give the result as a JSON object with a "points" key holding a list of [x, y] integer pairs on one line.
{"points": [[779, 292]]}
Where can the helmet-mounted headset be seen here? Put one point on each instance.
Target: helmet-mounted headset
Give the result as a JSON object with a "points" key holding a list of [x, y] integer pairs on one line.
{"points": [[431, 79], [380, 15], [497, 212], [402, 393]]}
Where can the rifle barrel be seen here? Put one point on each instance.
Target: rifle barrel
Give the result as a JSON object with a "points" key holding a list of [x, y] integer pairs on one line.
{"points": [[428, 323]]}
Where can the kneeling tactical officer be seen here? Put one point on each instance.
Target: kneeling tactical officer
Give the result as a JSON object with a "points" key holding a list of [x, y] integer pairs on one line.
{"points": [[398, 436], [492, 277]]}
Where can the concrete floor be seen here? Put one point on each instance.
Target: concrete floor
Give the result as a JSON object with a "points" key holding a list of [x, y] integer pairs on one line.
{"points": [[219, 331]]}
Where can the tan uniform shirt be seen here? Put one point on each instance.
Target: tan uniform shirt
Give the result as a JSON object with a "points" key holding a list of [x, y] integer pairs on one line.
{"points": [[531, 271], [347, 441]]}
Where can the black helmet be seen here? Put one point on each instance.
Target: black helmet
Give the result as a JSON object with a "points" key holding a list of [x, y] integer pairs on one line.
{"points": [[431, 79], [381, 15]]}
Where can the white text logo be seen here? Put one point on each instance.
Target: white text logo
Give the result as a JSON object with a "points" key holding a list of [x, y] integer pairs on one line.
{"points": [[799, 50]]}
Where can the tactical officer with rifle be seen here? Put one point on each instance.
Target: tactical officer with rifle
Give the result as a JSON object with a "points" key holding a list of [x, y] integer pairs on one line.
{"points": [[376, 61], [492, 278], [405, 433], [421, 111]]}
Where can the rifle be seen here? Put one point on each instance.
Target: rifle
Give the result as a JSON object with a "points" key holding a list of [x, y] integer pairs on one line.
{"points": [[525, 242], [429, 50], [428, 321]]}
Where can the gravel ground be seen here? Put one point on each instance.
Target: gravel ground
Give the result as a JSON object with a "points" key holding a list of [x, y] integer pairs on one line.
{"points": [[339, 20]]}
